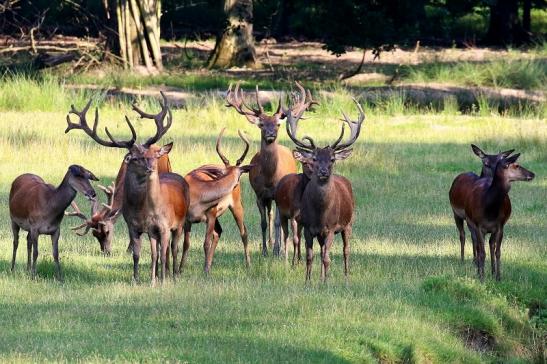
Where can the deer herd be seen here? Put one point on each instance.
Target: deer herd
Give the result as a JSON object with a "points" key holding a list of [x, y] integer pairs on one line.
{"points": [[164, 205]]}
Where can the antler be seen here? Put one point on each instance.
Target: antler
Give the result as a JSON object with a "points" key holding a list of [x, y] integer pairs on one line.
{"points": [[87, 224], [355, 128], [92, 132], [223, 157], [109, 192], [235, 99], [301, 103], [158, 118]]}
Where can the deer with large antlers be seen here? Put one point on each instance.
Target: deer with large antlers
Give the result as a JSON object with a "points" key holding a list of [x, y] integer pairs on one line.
{"points": [[273, 161], [213, 190], [327, 204], [152, 203], [38, 207]]}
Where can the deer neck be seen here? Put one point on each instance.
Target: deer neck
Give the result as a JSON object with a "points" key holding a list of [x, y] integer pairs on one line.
{"points": [[135, 190], [322, 192], [117, 198], [496, 193], [63, 196], [269, 158], [153, 190]]}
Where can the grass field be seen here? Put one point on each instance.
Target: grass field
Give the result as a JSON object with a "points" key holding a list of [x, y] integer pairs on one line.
{"points": [[409, 298]]}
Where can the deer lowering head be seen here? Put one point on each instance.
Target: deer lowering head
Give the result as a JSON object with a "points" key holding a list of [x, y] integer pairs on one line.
{"points": [[101, 221]]}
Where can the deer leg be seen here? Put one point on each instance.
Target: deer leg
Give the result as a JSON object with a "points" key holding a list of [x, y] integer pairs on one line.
{"points": [[55, 244], [492, 245], [135, 243], [237, 212], [277, 230], [309, 253], [299, 228], [346, 235], [263, 225], [217, 232], [185, 245], [322, 247], [275, 250], [175, 237], [285, 227], [474, 241], [15, 230], [459, 225], [480, 253], [129, 247], [29, 253], [295, 240], [207, 242], [499, 238], [326, 254], [34, 239], [165, 238], [154, 257]]}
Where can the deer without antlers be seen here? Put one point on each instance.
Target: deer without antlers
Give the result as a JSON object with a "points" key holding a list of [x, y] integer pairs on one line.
{"points": [[38, 207], [327, 204], [273, 161], [487, 208], [463, 184], [213, 190], [152, 203]]}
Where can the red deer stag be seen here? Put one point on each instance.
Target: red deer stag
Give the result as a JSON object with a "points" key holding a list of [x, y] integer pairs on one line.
{"points": [[462, 185], [152, 203], [38, 208], [101, 222], [213, 190], [488, 207], [273, 161], [327, 204]]}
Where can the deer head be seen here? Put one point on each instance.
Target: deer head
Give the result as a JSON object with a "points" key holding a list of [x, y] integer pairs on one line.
{"points": [[268, 124], [489, 161], [142, 158], [78, 179], [101, 222], [320, 161], [511, 171]]}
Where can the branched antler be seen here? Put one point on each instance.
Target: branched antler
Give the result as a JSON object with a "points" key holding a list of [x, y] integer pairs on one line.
{"points": [[235, 99], [355, 128], [301, 103], [158, 118]]}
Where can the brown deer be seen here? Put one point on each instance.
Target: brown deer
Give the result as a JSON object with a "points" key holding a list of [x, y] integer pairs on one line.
{"points": [[102, 220], [273, 161], [462, 185], [488, 207], [38, 208], [152, 203], [327, 204], [213, 190]]}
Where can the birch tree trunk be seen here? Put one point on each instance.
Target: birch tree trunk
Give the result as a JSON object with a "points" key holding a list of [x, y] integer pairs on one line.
{"points": [[136, 36], [235, 46]]}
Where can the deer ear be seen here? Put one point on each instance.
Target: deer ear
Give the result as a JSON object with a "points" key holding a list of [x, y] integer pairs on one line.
{"points": [[165, 149], [301, 156], [478, 151], [507, 153], [247, 168], [343, 154], [511, 159]]}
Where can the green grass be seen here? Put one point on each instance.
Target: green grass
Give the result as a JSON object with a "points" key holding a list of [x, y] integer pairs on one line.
{"points": [[409, 298]]}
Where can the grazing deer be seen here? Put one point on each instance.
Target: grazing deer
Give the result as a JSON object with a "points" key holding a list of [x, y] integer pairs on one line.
{"points": [[101, 222], [462, 185], [152, 203], [213, 190], [327, 204], [38, 208], [488, 207], [273, 161]]}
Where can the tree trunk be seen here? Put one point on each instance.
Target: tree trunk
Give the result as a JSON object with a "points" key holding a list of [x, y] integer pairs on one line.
{"points": [[235, 46], [504, 28], [136, 34], [526, 18]]}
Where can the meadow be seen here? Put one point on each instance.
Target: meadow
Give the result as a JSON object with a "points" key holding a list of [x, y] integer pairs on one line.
{"points": [[409, 298]]}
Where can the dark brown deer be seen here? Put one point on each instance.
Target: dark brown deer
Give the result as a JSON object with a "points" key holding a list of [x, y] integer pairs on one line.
{"points": [[327, 204], [38, 208], [462, 185], [273, 161], [152, 203], [213, 190], [102, 219], [488, 207]]}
